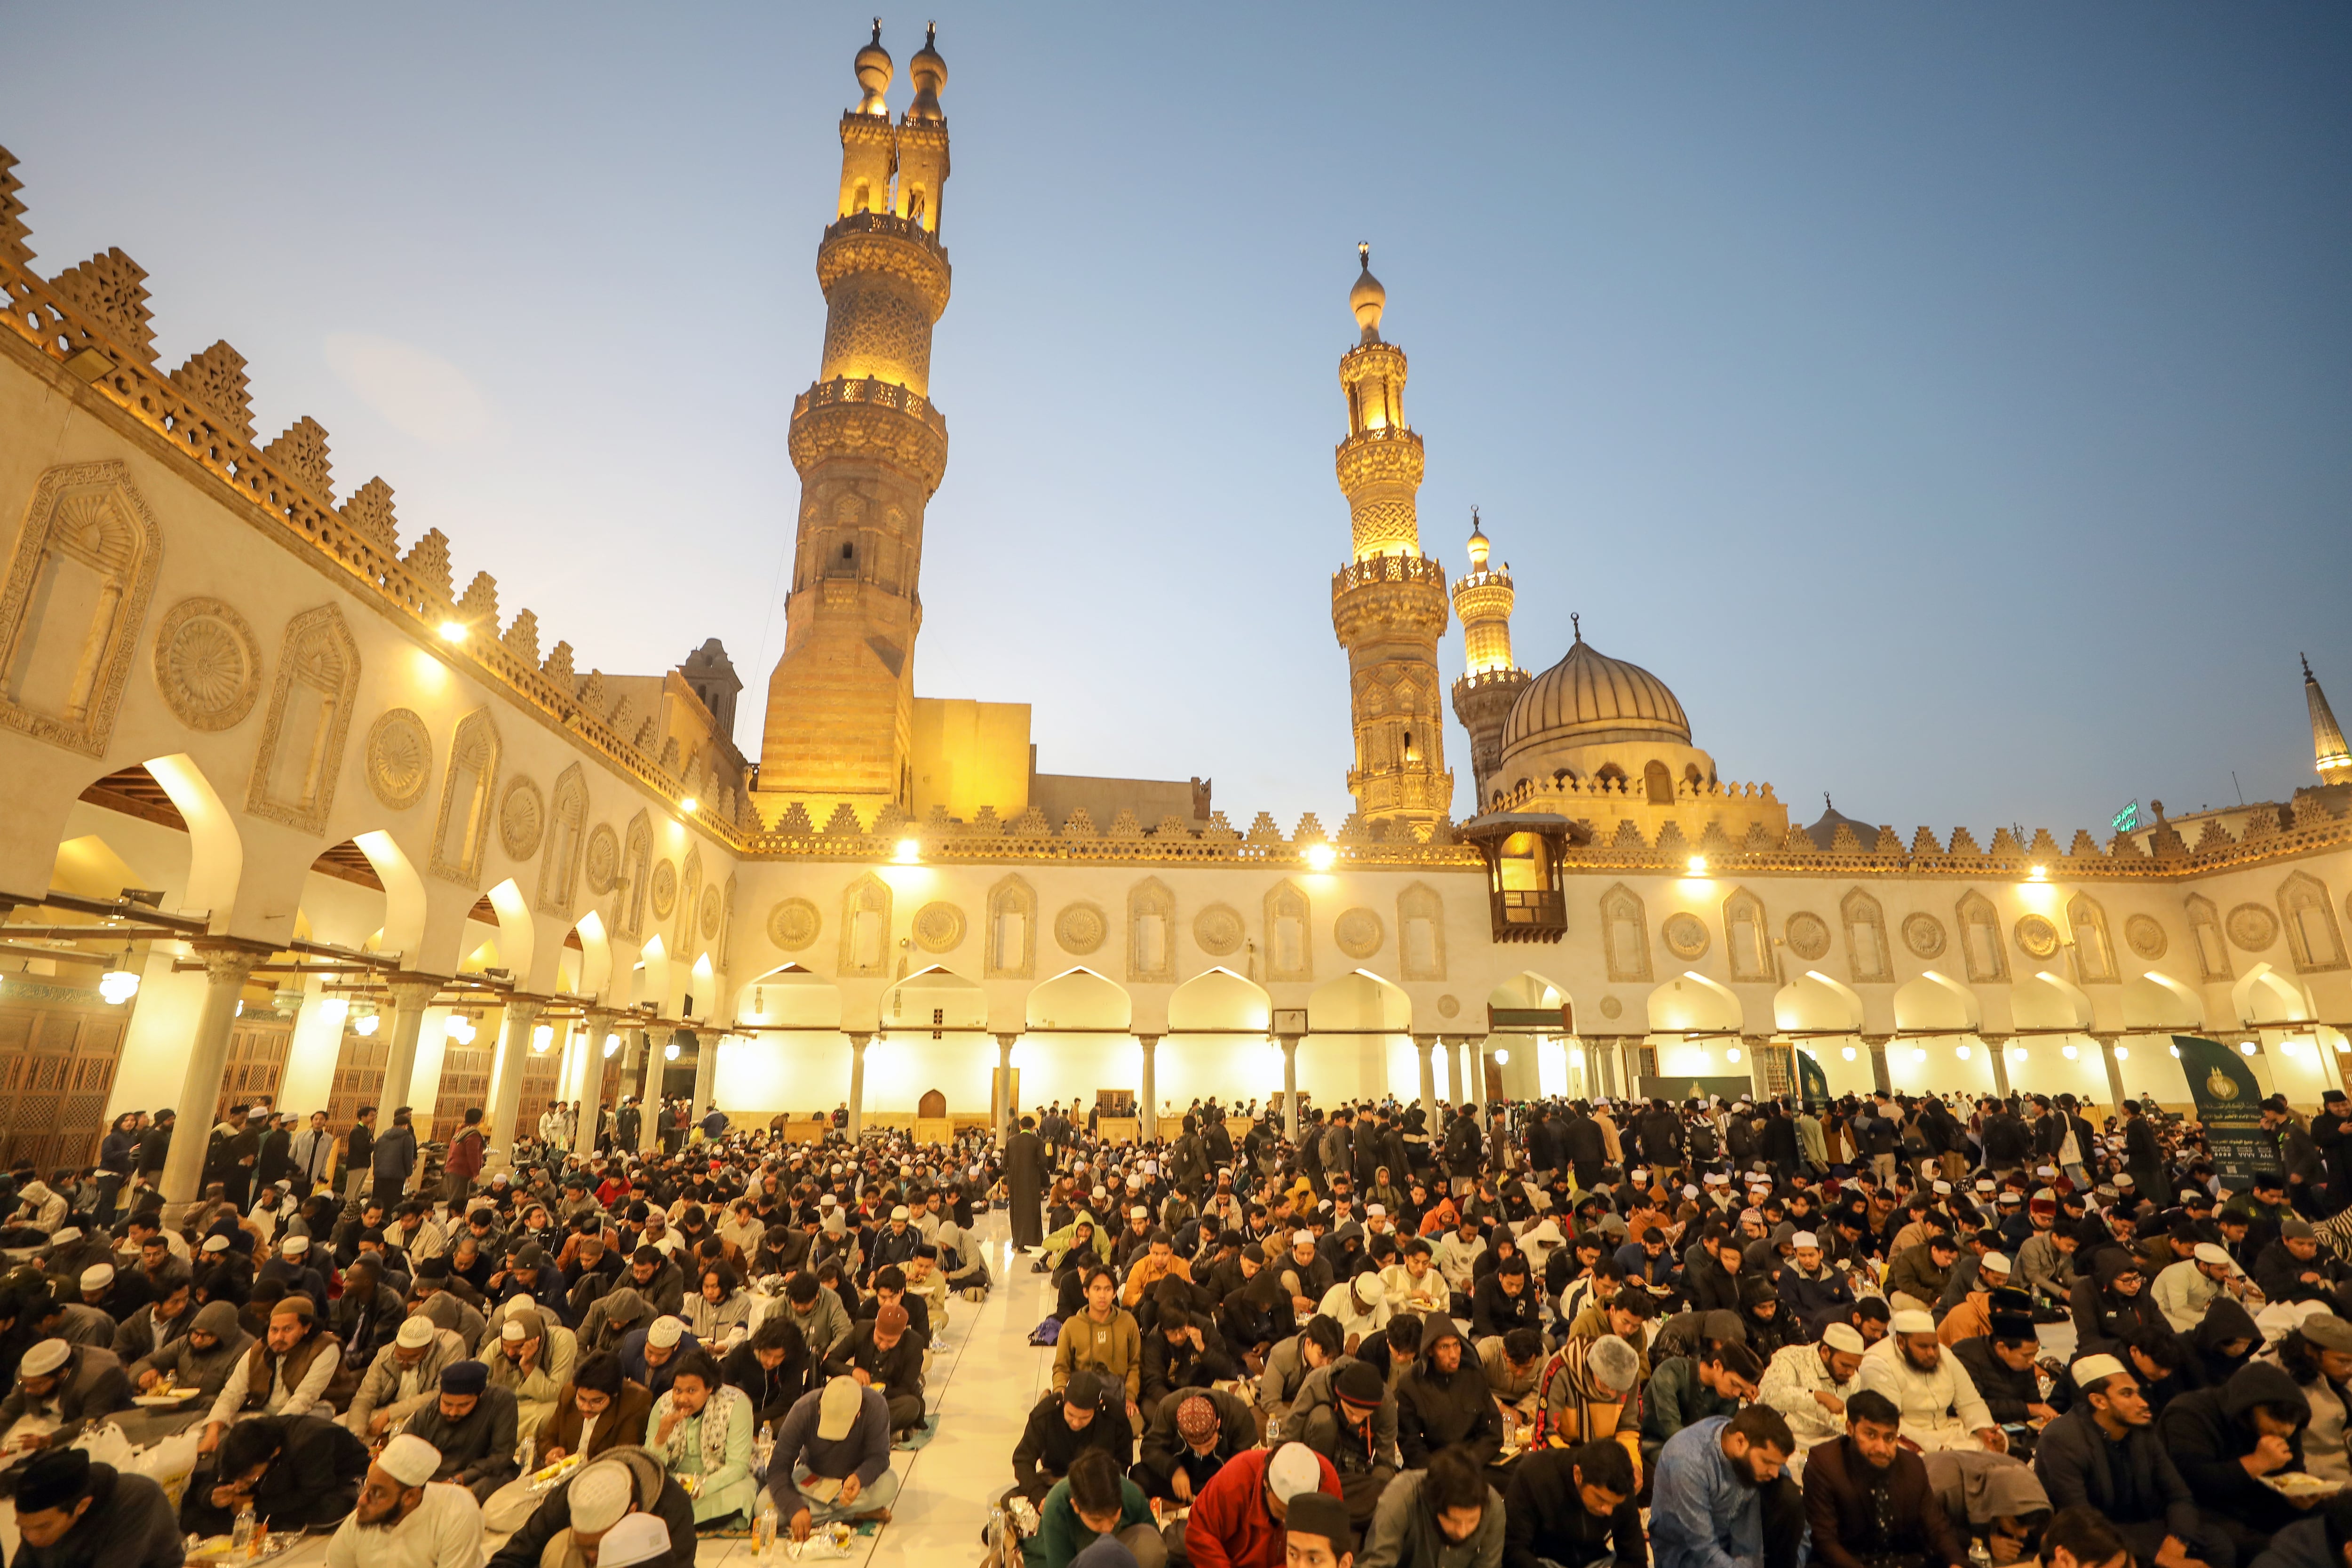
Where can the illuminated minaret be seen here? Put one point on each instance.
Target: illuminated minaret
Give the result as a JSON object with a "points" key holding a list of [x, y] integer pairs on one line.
{"points": [[1387, 605], [1483, 697], [871, 450], [2328, 752]]}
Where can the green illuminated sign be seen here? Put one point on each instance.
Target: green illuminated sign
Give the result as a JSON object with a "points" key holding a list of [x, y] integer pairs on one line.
{"points": [[2127, 818]]}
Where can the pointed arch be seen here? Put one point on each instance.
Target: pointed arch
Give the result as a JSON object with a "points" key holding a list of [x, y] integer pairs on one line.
{"points": [[216, 849], [2205, 934], [1420, 933], [2157, 1001], [2312, 933], [567, 835], [1748, 937], [2266, 997], [1624, 934], [596, 955], [2095, 954], [1980, 943], [302, 750], [404, 893], [1216, 1001], [461, 831], [518, 939], [866, 928], [2045, 1000], [1868, 957], [1358, 1003], [1936, 1001], [1080, 998], [1690, 1001], [1289, 933], [1151, 932], [1011, 930], [636, 867]]}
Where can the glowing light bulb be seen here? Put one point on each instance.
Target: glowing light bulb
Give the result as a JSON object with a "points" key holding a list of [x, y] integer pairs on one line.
{"points": [[542, 1036], [1963, 1052], [1732, 1055], [2246, 1048], [1848, 1053], [1698, 865], [2067, 1051], [685, 804], [1503, 1058], [2176, 1052], [2038, 874], [1918, 1054], [910, 852], [670, 1052], [2017, 1052], [453, 631], [612, 1045], [118, 986], [2123, 1053], [1321, 857], [365, 1025]]}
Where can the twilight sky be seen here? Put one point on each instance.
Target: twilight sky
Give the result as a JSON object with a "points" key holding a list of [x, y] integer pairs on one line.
{"points": [[1950, 403]]}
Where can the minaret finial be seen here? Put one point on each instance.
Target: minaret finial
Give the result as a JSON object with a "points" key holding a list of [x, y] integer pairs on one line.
{"points": [[877, 29], [1576, 622], [2306, 664], [1825, 802]]}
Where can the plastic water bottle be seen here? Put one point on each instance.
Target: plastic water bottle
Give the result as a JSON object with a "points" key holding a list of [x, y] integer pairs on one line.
{"points": [[763, 1524], [524, 1453], [241, 1533]]}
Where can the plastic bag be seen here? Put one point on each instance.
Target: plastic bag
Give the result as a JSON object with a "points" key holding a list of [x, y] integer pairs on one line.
{"points": [[168, 1462], [104, 1443]]}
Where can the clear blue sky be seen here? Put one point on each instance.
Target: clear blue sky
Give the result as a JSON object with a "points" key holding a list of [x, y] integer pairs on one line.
{"points": [[1950, 403]]}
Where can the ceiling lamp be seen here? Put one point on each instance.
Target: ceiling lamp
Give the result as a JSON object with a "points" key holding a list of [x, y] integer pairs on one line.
{"points": [[670, 1052], [119, 984], [365, 1024], [542, 1036], [1848, 1053], [611, 1047]]}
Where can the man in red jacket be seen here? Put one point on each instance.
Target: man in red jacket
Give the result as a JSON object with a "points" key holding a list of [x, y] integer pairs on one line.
{"points": [[1236, 1521]]}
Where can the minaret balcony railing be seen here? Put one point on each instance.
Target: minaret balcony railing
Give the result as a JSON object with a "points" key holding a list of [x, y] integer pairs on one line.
{"points": [[1387, 569], [874, 391], [889, 224], [1478, 678]]}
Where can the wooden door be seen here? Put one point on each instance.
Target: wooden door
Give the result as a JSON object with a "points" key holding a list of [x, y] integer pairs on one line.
{"points": [[257, 1061], [358, 1080], [56, 1067]]}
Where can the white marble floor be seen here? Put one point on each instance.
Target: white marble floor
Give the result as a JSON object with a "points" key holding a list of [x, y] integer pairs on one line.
{"points": [[984, 1377]]}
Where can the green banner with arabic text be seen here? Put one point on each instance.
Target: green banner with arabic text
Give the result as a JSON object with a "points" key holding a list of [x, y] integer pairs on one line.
{"points": [[2230, 1106]]}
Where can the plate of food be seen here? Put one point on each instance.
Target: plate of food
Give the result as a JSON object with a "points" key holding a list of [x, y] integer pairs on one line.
{"points": [[2296, 1484], [161, 1398]]}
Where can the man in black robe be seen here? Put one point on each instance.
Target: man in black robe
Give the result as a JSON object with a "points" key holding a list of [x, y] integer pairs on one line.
{"points": [[1025, 1166]]}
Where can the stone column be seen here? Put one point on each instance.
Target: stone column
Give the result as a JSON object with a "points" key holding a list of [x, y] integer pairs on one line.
{"points": [[1290, 1086], [1760, 1077], [706, 1071], [226, 966], [1422, 1044], [857, 1043], [310, 1055], [1878, 1073], [1999, 1049], [648, 1091], [506, 1103], [1000, 1093], [1149, 1126], [411, 995], [2106, 1043]]}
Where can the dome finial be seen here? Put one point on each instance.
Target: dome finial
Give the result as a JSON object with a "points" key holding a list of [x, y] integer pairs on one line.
{"points": [[874, 73], [928, 73], [1478, 545], [2307, 665], [1367, 299], [1576, 622]]}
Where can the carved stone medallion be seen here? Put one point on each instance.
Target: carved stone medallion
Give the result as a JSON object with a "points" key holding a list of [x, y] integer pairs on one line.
{"points": [[522, 814], [1218, 930], [711, 908], [1923, 933], [793, 923], [399, 758], [1448, 1006], [1685, 936], [665, 889], [1809, 936], [207, 663], [2252, 927], [1359, 932], [2036, 937], [603, 858], [2146, 934], [1080, 927], [938, 927], [1611, 1007]]}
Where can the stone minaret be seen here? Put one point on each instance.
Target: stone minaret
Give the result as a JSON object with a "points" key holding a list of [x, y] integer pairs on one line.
{"points": [[1387, 605], [870, 449], [1483, 697], [2328, 752]]}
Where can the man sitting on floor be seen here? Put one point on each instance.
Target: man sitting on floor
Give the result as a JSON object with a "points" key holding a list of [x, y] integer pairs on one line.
{"points": [[1868, 1502], [1063, 1426], [2103, 1454], [1574, 1506], [405, 1518], [74, 1513], [831, 1459]]}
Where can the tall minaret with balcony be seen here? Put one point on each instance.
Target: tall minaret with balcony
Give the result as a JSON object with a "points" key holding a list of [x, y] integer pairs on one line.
{"points": [[870, 449], [1387, 605], [1484, 696]]}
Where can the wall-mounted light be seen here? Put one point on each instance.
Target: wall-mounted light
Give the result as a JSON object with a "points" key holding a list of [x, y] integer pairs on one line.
{"points": [[2037, 873], [685, 804], [453, 631], [909, 853], [1321, 857], [1698, 865]]}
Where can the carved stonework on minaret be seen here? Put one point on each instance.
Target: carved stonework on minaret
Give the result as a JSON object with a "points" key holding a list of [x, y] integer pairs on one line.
{"points": [[2329, 754], [1387, 605], [870, 449], [1491, 683]]}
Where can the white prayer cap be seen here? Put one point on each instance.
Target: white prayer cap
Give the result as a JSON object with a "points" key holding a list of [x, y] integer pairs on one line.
{"points": [[1943, 1189], [1139, 1212], [70, 1232], [415, 1332], [410, 1460], [1804, 1239], [1638, 1173], [1375, 1209], [97, 1276], [2209, 1252], [1912, 1321], [1995, 1261], [665, 1331], [1689, 1191], [2092, 1368], [599, 1495], [514, 1331], [1294, 1468], [1844, 1337], [2045, 1170], [215, 1244], [297, 1244], [638, 1538], [1984, 1183], [44, 1358], [901, 1212]]}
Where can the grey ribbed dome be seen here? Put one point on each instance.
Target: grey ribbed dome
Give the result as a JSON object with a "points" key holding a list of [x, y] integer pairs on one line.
{"points": [[1587, 699]]}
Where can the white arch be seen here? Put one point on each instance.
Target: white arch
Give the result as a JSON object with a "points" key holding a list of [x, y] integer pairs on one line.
{"points": [[1690, 1001], [1218, 1000], [2266, 997], [1527, 989], [2158, 1002], [404, 894], [652, 974], [789, 997], [2045, 1001], [1079, 998], [1936, 1002], [958, 1002], [1358, 1003], [215, 850], [596, 955], [1813, 1001], [518, 941]]}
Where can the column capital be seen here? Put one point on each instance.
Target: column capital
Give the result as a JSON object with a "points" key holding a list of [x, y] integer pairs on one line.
{"points": [[410, 990], [524, 1004], [228, 960], [859, 1041]]}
